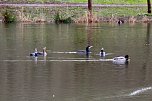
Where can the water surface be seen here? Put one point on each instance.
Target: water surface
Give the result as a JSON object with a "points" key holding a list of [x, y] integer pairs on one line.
{"points": [[64, 75]]}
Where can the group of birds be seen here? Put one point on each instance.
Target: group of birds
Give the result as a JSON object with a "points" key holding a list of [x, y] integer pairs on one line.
{"points": [[116, 60]]}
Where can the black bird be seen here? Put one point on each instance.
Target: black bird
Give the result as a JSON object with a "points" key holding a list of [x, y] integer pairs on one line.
{"points": [[87, 51]]}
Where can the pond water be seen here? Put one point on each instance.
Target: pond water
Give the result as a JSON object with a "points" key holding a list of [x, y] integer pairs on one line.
{"points": [[64, 75]]}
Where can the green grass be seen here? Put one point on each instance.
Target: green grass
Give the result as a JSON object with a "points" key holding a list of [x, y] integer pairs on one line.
{"points": [[81, 1], [122, 11], [108, 1]]}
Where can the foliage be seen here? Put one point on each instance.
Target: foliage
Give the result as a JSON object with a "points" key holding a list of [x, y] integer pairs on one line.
{"points": [[8, 16], [148, 15], [58, 19]]}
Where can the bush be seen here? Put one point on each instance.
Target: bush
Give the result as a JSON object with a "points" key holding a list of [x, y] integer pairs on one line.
{"points": [[58, 19], [8, 16]]}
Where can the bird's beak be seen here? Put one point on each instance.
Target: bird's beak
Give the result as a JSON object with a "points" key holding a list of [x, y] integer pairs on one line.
{"points": [[90, 46]]}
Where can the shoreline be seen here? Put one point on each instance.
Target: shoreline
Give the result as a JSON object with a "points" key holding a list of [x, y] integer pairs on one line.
{"points": [[133, 19], [41, 13]]}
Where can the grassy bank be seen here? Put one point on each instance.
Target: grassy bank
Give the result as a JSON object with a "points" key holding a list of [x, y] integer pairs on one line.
{"points": [[76, 14], [78, 1]]}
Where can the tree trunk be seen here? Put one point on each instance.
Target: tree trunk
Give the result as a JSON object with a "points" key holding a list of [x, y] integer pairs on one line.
{"points": [[89, 11], [149, 6]]}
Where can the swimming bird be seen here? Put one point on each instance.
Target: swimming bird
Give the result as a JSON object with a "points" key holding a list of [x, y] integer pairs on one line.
{"points": [[121, 59], [102, 53], [43, 53], [120, 21], [34, 53], [87, 51]]}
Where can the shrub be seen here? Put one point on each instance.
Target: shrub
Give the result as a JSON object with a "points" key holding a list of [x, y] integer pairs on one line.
{"points": [[8, 16], [58, 19]]}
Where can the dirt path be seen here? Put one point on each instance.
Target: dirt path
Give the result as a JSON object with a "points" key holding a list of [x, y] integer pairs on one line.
{"points": [[70, 5]]}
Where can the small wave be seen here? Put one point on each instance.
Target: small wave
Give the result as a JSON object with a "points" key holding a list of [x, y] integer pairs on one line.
{"points": [[57, 52], [74, 60], [134, 93], [17, 60], [139, 91], [62, 60]]}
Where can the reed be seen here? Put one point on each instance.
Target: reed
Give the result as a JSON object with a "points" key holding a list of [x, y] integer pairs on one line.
{"points": [[132, 19], [145, 19], [85, 18]]}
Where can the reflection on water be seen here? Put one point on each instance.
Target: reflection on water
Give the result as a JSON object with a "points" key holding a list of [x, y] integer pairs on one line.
{"points": [[148, 34], [64, 75]]}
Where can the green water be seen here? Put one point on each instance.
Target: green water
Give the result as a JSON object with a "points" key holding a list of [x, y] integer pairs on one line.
{"points": [[64, 75]]}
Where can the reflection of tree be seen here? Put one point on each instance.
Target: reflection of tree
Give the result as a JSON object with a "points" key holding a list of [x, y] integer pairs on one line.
{"points": [[89, 34], [147, 52], [148, 34]]}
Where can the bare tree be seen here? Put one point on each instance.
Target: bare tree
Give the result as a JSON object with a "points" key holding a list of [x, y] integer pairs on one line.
{"points": [[149, 6]]}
